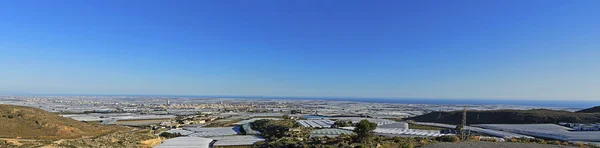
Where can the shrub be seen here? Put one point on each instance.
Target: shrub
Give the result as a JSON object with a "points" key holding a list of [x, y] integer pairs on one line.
{"points": [[557, 142], [449, 138], [509, 117], [398, 139], [363, 129], [170, 135], [273, 129], [407, 145], [526, 140], [539, 141], [423, 142], [242, 130], [342, 123]]}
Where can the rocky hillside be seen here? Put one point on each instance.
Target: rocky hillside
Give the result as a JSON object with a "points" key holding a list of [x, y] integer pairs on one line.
{"points": [[31, 127], [32, 123], [118, 139]]}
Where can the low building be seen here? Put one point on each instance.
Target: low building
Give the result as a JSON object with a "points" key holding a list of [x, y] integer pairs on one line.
{"points": [[398, 125], [214, 131], [549, 131], [232, 141], [187, 142], [324, 123], [330, 132]]}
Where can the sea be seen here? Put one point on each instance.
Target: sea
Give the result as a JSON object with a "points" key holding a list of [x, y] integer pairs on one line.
{"points": [[555, 103], [563, 103], [522, 102]]}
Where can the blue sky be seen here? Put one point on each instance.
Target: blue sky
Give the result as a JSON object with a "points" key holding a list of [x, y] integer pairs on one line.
{"points": [[513, 49]]}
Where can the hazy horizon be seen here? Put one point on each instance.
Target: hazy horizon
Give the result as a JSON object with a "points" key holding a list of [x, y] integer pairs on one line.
{"points": [[343, 98], [533, 50]]}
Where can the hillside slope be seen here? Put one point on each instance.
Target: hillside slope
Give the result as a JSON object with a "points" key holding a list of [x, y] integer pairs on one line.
{"points": [[28, 122], [509, 117], [595, 109]]}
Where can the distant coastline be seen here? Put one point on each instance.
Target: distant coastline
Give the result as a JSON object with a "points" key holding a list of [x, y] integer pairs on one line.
{"points": [[579, 104]]}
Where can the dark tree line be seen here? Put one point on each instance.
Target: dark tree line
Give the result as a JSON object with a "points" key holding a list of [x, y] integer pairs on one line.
{"points": [[273, 129], [509, 117]]}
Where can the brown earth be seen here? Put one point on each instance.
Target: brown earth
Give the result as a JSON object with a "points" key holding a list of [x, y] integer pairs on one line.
{"points": [[31, 127], [32, 123]]}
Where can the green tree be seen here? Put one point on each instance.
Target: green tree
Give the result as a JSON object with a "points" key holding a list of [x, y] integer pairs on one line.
{"points": [[342, 123], [273, 129], [170, 135], [363, 129], [459, 127], [448, 138], [179, 119], [295, 112]]}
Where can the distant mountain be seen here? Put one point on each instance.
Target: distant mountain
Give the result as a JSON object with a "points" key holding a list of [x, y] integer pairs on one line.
{"points": [[509, 117], [28, 122], [595, 109]]}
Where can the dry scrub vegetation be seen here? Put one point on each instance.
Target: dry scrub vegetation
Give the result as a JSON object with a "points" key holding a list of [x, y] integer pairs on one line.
{"points": [[31, 127]]}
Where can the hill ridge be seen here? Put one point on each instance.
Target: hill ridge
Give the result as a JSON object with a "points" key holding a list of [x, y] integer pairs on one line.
{"points": [[509, 117], [595, 109], [29, 122]]}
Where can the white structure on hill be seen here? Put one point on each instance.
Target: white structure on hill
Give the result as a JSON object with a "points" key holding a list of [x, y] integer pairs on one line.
{"points": [[186, 142]]}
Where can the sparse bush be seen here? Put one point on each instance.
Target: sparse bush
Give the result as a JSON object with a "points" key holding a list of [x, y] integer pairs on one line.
{"points": [[423, 142], [407, 145], [509, 117], [341, 123], [170, 135], [448, 138], [557, 142], [397, 139], [274, 129], [526, 140], [295, 112], [345, 142]]}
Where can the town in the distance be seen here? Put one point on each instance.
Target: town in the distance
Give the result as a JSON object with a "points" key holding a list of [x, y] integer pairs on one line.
{"points": [[229, 122]]}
